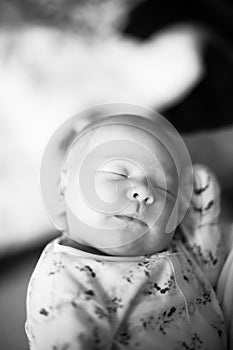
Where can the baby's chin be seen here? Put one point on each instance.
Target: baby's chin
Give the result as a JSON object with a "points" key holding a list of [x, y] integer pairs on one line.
{"points": [[136, 248], [122, 251]]}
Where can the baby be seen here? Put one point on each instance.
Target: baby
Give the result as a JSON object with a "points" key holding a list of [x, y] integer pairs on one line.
{"points": [[130, 271]]}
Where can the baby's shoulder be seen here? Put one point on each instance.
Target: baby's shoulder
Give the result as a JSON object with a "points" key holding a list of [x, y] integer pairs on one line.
{"points": [[60, 270], [56, 261]]}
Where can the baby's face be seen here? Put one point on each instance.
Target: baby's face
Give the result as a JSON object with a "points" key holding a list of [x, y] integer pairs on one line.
{"points": [[121, 191]]}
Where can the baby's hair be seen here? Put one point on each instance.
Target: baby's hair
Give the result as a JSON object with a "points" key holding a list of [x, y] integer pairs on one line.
{"points": [[78, 127]]}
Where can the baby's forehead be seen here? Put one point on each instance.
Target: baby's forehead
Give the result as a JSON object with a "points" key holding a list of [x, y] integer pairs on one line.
{"points": [[116, 129], [139, 135], [119, 137]]}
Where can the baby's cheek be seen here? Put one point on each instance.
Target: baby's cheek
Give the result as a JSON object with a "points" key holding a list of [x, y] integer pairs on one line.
{"points": [[106, 191], [163, 205], [112, 192], [166, 208]]}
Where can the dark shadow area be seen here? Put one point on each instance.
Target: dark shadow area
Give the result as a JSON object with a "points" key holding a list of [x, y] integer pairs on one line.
{"points": [[209, 105]]}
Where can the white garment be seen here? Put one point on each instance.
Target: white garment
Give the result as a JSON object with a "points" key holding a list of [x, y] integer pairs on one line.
{"points": [[82, 301], [225, 289], [164, 301]]}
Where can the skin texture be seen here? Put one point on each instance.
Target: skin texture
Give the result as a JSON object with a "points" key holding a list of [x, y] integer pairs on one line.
{"points": [[120, 188]]}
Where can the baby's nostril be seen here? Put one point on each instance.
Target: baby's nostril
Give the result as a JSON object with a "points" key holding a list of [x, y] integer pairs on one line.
{"points": [[135, 195], [149, 200]]}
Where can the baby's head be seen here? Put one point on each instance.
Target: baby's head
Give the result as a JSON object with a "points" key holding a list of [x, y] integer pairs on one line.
{"points": [[120, 182]]}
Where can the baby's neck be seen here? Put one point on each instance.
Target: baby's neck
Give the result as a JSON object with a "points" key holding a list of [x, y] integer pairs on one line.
{"points": [[68, 242]]}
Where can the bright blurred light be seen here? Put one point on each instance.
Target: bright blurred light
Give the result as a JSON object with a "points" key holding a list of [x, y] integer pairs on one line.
{"points": [[47, 76]]}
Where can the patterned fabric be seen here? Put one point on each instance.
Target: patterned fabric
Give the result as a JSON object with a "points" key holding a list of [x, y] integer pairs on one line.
{"points": [[83, 301], [78, 300], [225, 294]]}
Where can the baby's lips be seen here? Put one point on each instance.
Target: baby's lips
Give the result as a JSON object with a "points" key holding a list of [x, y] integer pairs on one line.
{"points": [[130, 218]]}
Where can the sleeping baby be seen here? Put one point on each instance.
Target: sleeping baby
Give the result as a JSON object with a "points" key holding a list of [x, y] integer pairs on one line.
{"points": [[133, 269]]}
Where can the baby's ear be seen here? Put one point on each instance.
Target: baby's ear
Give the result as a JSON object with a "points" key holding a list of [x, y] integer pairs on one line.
{"points": [[63, 182], [60, 208]]}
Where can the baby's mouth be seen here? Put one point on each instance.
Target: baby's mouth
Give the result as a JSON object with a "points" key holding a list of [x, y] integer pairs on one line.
{"points": [[130, 218]]}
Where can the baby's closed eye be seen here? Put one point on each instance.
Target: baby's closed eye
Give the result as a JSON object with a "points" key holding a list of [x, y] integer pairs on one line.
{"points": [[105, 175]]}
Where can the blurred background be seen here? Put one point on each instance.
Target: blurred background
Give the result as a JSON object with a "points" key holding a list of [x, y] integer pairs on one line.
{"points": [[60, 56]]}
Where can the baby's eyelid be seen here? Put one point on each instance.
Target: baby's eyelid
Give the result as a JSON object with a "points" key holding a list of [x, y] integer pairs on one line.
{"points": [[113, 172], [168, 191]]}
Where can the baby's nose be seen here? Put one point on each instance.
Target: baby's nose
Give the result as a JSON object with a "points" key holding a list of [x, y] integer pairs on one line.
{"points": [[141, 193]]}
